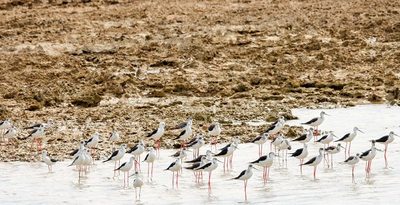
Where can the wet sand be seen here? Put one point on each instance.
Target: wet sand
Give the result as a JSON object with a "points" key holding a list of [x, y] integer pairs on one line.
{"points": [[286, 185]]}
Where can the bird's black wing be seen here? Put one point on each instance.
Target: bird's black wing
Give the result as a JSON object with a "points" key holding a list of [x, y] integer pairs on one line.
{"points": [[171, 165], [192, 141], [53, 160], [123, 164], [262, 158], [198, 159], [270, 128], [152, 133], [133, 149], [181, 134], [344, 137], [181, 126], [310, 161], [73, 152], [226, 146], [256, 139], [88, 141], [37, 125], [322, 138], [76, 158], [204, 166], [349, 159], [211, 127], [364, 154], [330, 148], [311, 121], [112, 155], [147, 156], [222, 152], [176, 154], [302, 137], [383, 139], [194, 166], [240, 175], [297, 152]]}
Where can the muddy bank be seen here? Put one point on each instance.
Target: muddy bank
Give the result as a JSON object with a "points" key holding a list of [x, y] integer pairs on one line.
{"points": [[97, 65]]}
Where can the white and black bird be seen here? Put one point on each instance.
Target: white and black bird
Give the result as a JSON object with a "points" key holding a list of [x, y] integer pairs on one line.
{"points": [[48, 161], [37, 135], [265, 162], [245, 175], [185, 134], [226, 153], [11, 133], [273, 129], [368, 156], [93, 141], [137, 151], [184, 125], [208, 167], [348, 138], [196, 144], [149, 159], [276, 142], [79, 162], [386, 140], [5, 124], [137, 184], [114, 137], [125, 168], [327, 139], [315, 122], [305, 138], [214, 130], [260, 141], [331, 150], [315, 161], [352, 161], [174, 167], [116, 156], [301, 154], [284, 146], [198, 173], [208, 155], [76, 151], [156, 136]]}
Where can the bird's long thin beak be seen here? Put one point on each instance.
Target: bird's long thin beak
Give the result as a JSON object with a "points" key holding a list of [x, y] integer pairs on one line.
{"points": [[256, 169], [379, 150], [342, 146], [396, 135], [334, 136], [361, 131], [218, 160], [327, 114]]}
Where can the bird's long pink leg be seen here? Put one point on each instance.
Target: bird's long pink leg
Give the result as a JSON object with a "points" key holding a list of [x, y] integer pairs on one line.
{"points": [[332, 161], [209, 181], [386, 163], [152, 166], [315, 170], [245, 190], [224, 163], [173, 179], [127, 178], [177, 178], [345, 152], [352, 173], [349, 148]]}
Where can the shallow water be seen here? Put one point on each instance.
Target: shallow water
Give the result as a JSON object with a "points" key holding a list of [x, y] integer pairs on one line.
{"points": [[30, 183]]}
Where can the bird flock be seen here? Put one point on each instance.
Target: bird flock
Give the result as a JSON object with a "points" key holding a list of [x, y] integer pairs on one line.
{"points": [[280, 151]]}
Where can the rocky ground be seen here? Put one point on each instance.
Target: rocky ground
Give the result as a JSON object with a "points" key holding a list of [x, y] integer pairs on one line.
{"points": [[100, 65]]}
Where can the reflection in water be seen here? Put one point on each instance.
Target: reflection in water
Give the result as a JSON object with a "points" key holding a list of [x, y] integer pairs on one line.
{"points": [[29, 183]]}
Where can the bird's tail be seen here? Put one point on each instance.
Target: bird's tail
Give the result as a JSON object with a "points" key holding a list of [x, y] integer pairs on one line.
{"points": [[106, 160]]}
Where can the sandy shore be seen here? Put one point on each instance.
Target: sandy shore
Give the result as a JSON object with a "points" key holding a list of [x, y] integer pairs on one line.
{"points": [[126, 65]]}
